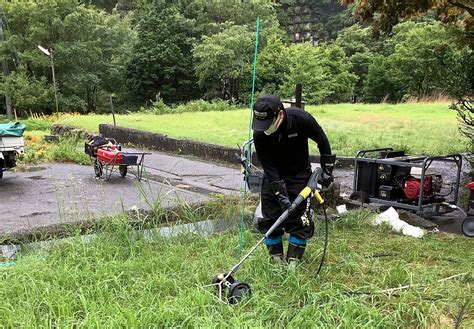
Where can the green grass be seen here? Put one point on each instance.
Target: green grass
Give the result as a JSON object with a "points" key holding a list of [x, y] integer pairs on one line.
{"points": [[32, 124], [118, 282], [419, 128]]}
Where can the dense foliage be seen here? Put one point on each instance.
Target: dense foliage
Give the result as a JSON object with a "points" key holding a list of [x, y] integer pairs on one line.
{"points": [[421, 60], [143, 52], [161, 61], [89, 51], [427, 58], [384, 15]]}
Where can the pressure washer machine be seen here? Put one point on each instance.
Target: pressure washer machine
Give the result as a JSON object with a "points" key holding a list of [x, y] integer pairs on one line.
{"points": [[392, 178]]}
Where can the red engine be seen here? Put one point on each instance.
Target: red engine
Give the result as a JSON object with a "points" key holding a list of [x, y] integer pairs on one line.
{"points": [[411, 187]]}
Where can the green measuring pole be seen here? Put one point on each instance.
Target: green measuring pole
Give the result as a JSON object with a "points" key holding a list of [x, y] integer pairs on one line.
{"points": [[248, 150]]}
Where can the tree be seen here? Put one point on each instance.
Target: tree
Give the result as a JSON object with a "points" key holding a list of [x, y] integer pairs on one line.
{"points": [[26, 92], [162, 62], [424, 60], [273, 66], [378, 84], [91, 56], [88, 46], [360, 50], [384, 15], [224, 61], [214, 16], [323, 71], [425, 54]]}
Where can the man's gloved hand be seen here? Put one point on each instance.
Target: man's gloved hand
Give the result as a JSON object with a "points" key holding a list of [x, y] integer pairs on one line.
{"points": [[279, 190], [327, 164], [326, 180]]}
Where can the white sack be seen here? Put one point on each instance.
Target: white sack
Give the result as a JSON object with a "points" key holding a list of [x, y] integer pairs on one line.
{"points": [[390, 216]]}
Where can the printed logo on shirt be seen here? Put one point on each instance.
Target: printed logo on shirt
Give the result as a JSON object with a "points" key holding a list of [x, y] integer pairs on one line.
{"points": [[293, 135]]}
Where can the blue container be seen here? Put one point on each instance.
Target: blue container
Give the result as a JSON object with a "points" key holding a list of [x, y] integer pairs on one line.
{"points": [[130, 159]]}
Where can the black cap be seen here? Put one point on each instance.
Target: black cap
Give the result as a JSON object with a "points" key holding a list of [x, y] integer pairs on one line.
{"points": [[264, 110]]}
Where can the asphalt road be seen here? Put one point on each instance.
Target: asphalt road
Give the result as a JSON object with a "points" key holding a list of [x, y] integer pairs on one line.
{"points": [[48, 194], [35, 197]]}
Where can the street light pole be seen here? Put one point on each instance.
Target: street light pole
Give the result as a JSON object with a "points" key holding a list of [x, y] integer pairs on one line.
{"points": [[49, 53]]}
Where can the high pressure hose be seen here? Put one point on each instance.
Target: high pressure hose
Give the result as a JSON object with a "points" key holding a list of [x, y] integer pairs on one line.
{"points": [[452, 206], [326, 240]]}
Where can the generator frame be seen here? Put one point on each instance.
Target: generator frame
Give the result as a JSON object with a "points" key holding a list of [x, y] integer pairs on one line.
{"points": [[423, 162]]}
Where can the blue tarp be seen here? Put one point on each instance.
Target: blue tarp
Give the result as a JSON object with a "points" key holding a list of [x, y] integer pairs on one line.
{"points": [[12, 129]]}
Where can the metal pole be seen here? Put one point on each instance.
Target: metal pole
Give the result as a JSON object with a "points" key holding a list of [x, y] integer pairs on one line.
{"points": [[112, 107], [54, 81]]}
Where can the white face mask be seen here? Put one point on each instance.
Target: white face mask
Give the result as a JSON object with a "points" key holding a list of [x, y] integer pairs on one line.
{"points": [[274, 126]]}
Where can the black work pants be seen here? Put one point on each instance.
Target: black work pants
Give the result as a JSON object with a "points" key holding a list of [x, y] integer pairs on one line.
{"points": [[271, 210]]}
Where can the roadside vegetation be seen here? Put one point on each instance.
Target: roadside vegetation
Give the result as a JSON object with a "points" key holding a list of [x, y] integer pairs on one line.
{"points": [[66, 149], [37, 150], [117, 281], [419, 128], [153, 57]]}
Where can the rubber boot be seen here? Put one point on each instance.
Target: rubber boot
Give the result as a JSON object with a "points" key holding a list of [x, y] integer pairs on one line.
{"points": [[294, 254], [295, 251], [276, 253]]}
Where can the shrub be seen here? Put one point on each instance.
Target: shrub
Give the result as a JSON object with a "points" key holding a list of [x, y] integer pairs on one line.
{"points": [[159, 107], [37, 124], [204, 106], [67, 150]]}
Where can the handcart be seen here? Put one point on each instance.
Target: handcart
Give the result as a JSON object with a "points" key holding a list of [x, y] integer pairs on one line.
{"points": [[107, 157], [252, 174]]}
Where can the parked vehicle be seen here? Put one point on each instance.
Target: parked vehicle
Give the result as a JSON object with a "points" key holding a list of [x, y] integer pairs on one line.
{"points": [[11, 145]]}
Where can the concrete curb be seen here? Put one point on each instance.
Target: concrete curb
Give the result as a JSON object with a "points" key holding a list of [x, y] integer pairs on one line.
{"points": [[67, 229], [203, 228], [163, 143], [205, 151], [171, 145]]}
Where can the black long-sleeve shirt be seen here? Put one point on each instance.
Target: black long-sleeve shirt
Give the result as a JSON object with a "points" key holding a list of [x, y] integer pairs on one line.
{"points": [[285, 153]]}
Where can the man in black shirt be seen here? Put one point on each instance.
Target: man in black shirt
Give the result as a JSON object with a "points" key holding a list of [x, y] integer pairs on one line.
{"points": [[281, 142]]}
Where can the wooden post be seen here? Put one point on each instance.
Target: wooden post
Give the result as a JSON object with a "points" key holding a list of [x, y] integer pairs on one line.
{"points": [[112, 107], [298, 95]]}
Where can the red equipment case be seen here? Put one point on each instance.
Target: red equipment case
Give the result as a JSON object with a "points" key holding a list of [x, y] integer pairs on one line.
{"points": [[110, 155]]}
